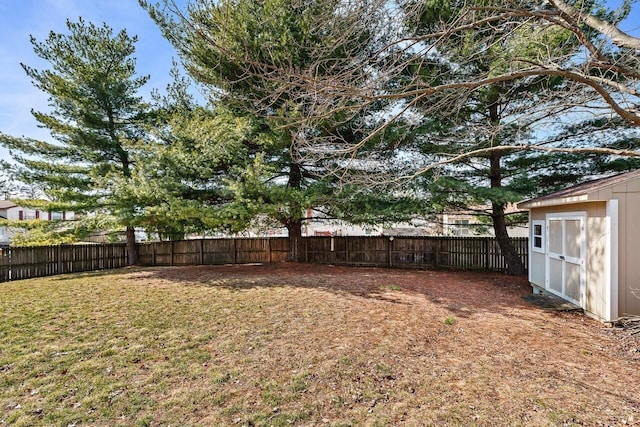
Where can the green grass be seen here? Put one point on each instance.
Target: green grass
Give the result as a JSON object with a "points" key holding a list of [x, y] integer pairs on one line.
{"points": [[450, 321], [169, 347]]}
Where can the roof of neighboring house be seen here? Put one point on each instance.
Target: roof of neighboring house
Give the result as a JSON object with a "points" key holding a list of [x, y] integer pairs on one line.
{"points": [[577, 192], [6, 204], [474, 210]]}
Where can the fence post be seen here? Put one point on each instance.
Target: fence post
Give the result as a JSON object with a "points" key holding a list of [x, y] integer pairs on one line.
{"points": [[171, 253], [201, 251], [269, 249], [59, 259], [437, 240], [487, 257], [306, 249], [235, 251], [346, 249], [390, 246]]}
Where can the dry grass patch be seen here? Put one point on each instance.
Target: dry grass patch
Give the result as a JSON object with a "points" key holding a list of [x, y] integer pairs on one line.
{"points": [[302, 345]]}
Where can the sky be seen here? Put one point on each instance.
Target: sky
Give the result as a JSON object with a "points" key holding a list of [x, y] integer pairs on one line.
{"points": [[21, 18]]}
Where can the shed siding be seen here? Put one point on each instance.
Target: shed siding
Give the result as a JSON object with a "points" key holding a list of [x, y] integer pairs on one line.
{"points": [[629, 259], [633, 186], [602, 194], [596, 289], [537, 272]]}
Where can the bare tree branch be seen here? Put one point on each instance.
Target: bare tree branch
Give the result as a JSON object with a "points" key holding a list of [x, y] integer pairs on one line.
{"points": [[617, 36]]}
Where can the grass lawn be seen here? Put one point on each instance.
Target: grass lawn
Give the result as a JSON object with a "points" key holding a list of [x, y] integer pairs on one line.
{"points": [[292, 344]]}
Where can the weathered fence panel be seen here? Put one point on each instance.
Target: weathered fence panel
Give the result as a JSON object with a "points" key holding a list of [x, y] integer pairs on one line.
{"points": [[279, 249], [18, 263], [219, 251], [5, 265], [458, 253], [215, 251]]}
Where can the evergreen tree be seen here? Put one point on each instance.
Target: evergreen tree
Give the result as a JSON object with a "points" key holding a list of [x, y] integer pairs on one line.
{"points": [[482, 126], [95, 118], [9, 188], [183, 179], [233, 47]]}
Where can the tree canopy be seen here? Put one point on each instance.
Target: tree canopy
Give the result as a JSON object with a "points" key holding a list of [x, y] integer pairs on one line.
{"points": [[230, 47]]}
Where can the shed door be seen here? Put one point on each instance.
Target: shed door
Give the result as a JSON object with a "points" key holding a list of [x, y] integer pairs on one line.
{"points": [[566, 249]]}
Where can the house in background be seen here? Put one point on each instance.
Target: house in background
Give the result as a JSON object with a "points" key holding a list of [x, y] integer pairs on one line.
{"points": [[11, 211], [469, 224], [584, 245], [456, 224]]}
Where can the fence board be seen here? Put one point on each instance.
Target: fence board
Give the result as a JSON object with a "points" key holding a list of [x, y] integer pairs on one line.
{"points": [[218, 251]]}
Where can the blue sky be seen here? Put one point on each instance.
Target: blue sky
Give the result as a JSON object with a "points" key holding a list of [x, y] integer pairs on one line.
{"points": [[21, 18]]}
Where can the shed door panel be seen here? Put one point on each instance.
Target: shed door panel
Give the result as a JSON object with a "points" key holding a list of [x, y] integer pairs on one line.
{"points": [[565, 257], [554, 281], [572, 281], [573, 240], [555, 236]]}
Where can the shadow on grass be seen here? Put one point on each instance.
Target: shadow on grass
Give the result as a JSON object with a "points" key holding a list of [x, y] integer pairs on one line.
{"points": [[93, 273], [463, 293]]}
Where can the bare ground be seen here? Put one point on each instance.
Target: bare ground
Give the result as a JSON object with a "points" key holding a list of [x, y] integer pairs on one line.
{"points": [[300, 344]]}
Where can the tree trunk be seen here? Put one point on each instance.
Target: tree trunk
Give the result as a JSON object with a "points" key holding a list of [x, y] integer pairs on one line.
{"points": [[132, 247], [294, 229], [515, 266], [294, 222]]}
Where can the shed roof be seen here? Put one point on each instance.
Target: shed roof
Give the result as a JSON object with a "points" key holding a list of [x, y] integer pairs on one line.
{"points": [[580, 192], [6, 204]]}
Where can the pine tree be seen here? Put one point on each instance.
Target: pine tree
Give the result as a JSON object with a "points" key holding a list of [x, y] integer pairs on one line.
{"points": [[233, 48], [492, 119], [95, 119]]}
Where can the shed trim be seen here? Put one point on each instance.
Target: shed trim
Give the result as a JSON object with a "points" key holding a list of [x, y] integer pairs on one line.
{"points": [[529, 258], [611, 261], [530, 204], [579, 192]]}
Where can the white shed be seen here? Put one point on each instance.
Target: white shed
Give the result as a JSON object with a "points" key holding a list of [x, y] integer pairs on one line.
{"points": [[585, 247]]}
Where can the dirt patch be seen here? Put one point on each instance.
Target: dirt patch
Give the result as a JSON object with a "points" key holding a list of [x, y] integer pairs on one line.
{"points": [[300, 344], [550, 302]]}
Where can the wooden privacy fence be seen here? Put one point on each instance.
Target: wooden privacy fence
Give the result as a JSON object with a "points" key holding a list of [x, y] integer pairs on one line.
{"points": [[461, 253], [26, 262], [215, 251], [457, 253]]}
